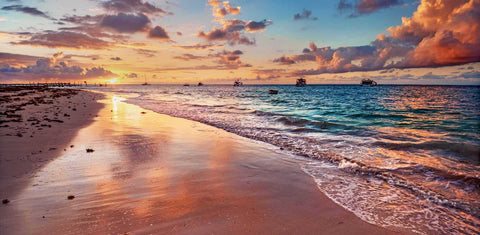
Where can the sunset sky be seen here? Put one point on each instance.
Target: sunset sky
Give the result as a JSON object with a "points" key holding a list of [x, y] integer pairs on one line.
{"points": [[259, 42]]}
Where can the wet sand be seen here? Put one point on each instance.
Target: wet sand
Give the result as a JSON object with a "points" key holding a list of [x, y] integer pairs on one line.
{"points": [[155, 174], [36, 125]]}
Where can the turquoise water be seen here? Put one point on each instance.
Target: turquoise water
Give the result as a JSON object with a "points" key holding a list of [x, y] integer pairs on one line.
{"points": [[397, 156]]}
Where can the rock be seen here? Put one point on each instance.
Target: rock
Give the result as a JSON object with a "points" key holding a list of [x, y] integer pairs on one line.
{"points": [[143, 112], [90, 150], [5, 201], [71, 146], [70, 197]]}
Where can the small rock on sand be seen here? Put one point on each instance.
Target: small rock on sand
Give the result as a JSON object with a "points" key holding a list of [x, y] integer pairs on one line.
{"points": [[90, 150], [5, 201], [143, 112], [71, 146], [70, 197]]}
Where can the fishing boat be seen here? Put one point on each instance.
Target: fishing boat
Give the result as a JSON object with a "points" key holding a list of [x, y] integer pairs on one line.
{"points": [[301, 82], [238, 83], [368, 82]]}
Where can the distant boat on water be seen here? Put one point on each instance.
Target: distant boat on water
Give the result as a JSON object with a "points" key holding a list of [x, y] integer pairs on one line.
{"points": [[200, 84], [186, 85], [238, 83], [301, 82], [145, 83], [368, 82]]}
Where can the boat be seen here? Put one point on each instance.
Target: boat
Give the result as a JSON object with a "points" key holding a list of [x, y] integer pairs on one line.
{"points": [[238, 83], [273, 92], [200, 84], [186, 85], [145, 83], [368, 82], [301, 82]]}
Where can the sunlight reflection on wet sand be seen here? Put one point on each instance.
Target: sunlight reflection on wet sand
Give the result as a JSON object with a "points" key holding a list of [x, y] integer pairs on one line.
{"points": [[152, 172]]}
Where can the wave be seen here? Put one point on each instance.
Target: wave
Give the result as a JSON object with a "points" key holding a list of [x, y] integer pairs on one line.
{"points": [[346, 153]]}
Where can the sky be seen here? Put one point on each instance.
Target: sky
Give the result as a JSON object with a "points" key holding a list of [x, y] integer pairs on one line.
{"points": [[258, 42]]}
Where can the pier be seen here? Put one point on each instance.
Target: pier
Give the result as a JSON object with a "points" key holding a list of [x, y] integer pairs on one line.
{"points": [[50, 84]]}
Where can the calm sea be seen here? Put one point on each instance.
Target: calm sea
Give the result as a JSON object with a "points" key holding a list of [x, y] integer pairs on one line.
{"points": [[396, 156]]}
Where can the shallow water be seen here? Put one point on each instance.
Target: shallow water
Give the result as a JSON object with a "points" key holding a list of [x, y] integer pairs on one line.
{"points": [[396, 156]]}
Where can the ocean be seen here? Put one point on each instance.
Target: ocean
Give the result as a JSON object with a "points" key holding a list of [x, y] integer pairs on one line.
{"points": [[403, 156]]}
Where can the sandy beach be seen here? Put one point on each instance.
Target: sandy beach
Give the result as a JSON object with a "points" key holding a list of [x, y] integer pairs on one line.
{"points": [[149, 174]]}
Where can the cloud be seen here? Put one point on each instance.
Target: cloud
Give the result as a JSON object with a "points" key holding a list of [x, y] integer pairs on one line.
{"points": [[126, 23], [130, 75], [305, 15], [225, 59], [255, 26], [231, 31], [221, 9], [64, 39], [187, 57], [131, 6], [469, 75], [230, 59], [221, 34], [158, 33], [49, 68], [268, 74], [16, 59], [364, 7], [146, 52], [197, 46], [284, 60], [440, 33], [28, 10], [116, 58]]}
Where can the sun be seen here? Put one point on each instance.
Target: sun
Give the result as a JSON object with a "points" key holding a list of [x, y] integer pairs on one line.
{"points": [[113, 80]]}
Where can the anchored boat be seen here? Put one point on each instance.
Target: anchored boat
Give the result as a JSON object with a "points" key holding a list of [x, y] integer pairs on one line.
{"points": [[368, 82], [301, 82], [238, 83]]}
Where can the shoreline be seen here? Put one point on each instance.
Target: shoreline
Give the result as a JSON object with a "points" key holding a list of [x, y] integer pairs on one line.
{"points": [[36, 127], [209, 180]]}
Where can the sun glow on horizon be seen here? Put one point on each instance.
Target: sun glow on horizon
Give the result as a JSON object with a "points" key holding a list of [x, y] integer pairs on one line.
{"points": [[113, 80]]}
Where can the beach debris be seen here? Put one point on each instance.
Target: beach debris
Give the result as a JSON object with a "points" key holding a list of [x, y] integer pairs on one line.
{"points": [[70, 197], [5, 201], [90, 150], [143, 112]]}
